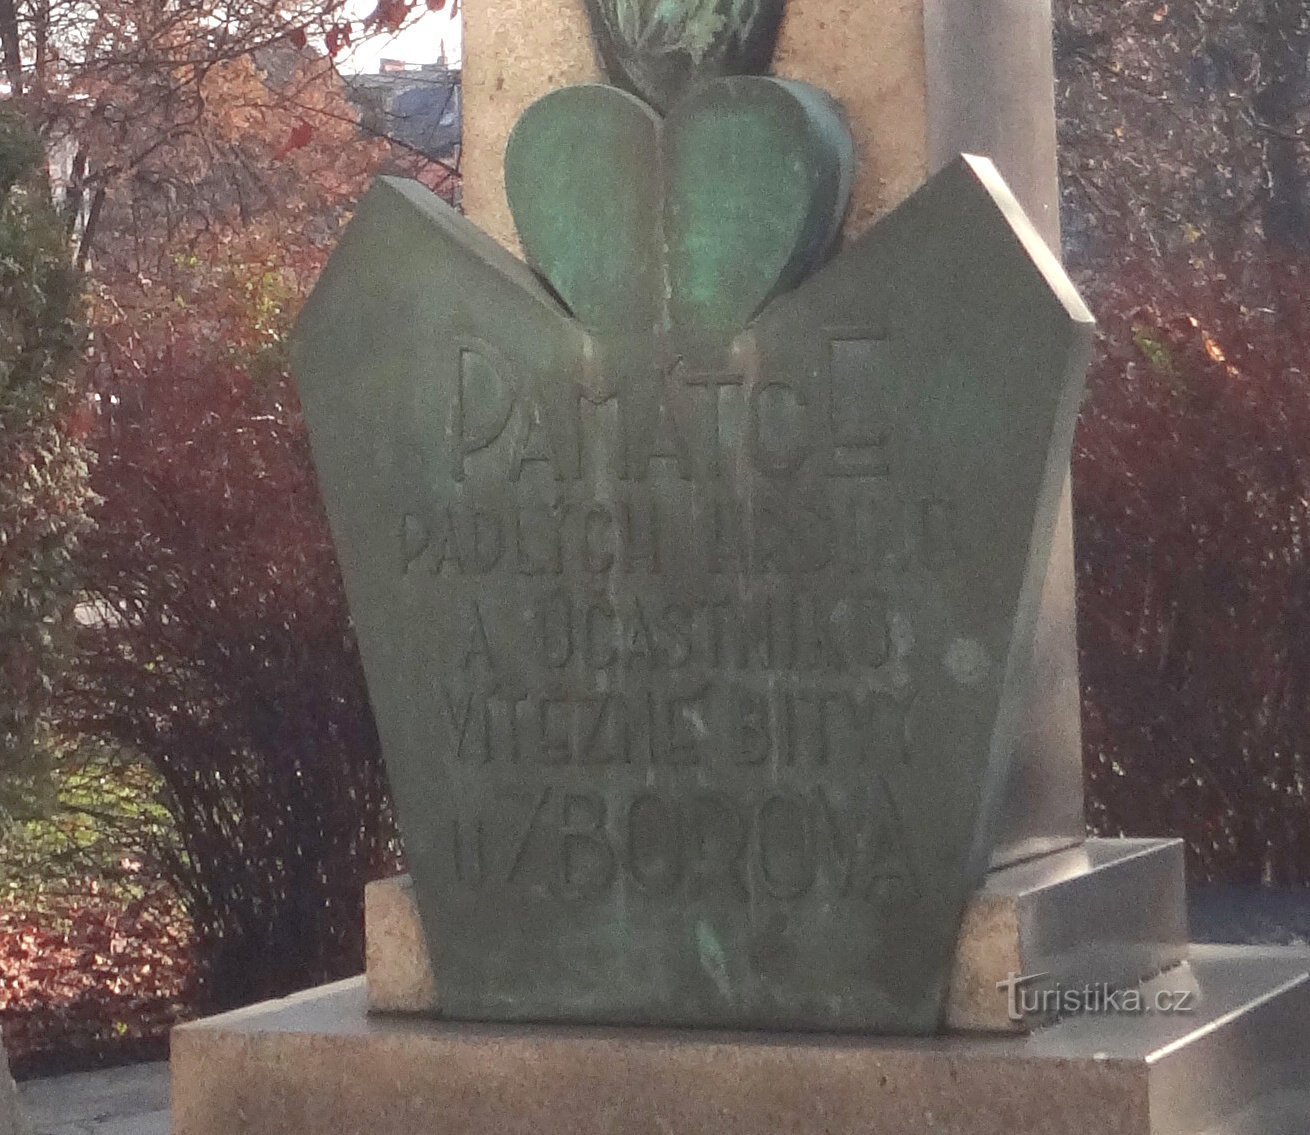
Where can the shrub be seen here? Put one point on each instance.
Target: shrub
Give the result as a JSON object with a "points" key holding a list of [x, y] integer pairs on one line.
{"points": [[223, 652], [43, 462], [1192, 507]]}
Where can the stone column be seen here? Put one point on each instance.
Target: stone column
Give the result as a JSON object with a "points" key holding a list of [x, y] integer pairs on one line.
{"points": [[921, 80]]}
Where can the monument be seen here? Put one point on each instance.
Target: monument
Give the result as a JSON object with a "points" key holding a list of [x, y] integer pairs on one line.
{"points": [[705, 568], [698, 606]]}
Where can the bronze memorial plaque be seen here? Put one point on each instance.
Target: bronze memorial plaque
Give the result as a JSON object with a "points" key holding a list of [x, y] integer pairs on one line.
{"points": [[695, 572]]}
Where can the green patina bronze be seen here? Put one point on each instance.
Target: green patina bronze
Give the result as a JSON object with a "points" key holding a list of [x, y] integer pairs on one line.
{"points": [[582, 172], [689, 222], [695, 578], [656, 48]]}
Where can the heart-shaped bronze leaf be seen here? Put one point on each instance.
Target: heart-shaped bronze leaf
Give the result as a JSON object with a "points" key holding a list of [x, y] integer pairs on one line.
{"points": [[693, 223]]}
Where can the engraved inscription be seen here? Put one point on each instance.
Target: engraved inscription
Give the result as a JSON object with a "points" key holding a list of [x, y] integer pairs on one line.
{"points": [[583, 845], [711, 725], [704, 672], [641, 535], [634, 427]]}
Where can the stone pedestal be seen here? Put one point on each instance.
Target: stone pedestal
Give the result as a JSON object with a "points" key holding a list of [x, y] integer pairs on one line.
{"points": [[317, 1062], [920, 80], [1110, 911]]}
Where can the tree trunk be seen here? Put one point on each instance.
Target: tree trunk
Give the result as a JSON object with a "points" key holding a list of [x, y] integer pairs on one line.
{"points": [[41, 44], [11, 45]]}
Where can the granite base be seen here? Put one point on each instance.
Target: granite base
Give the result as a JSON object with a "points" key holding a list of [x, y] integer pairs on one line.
{"points": [[320, 1064]]}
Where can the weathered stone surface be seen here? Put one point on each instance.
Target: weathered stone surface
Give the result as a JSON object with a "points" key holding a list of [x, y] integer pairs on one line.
{"points": [[1108, 910], [697, 665], [316, 1063], [398, 966]]}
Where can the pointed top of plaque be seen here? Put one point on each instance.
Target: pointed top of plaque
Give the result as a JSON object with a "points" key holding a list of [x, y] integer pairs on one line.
{"points": [[656, 48]]}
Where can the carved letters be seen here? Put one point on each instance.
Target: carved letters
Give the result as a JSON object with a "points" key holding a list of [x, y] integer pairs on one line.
{"points": [[588, 716], [684, 417], [584, 844]]}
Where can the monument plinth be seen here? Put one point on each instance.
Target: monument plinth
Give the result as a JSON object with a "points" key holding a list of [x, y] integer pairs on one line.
{"points": [[317, 1062], [711, 571]]}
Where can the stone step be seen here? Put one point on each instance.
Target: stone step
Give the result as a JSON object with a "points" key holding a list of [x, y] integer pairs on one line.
{"points": [[1108, 910], [319, 1062], [1244, 1039]]}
